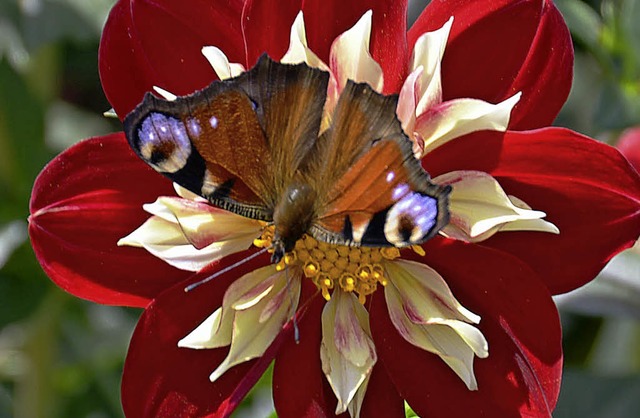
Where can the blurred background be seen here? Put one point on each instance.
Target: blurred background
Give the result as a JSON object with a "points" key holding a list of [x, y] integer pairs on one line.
{"points": [[61, 357]]}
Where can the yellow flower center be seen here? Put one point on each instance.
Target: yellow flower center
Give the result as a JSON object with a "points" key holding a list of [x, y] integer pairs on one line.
{"points": [[353, 269]]}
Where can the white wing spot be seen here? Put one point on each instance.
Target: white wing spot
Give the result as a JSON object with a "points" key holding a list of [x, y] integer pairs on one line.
{"points": [[390, 176]]}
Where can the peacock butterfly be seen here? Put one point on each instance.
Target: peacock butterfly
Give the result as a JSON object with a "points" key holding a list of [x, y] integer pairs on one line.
{"points": [[252, 145]]}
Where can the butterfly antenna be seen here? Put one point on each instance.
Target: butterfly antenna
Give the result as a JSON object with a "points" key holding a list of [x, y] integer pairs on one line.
{"points": [[224, 270], [294, 319]]}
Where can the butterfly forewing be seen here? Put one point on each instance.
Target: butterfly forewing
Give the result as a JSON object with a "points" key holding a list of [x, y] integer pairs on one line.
{"points": [[232, 143]]}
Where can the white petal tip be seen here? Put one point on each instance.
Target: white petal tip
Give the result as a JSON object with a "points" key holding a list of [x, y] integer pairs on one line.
{"points": [[448, 24], [111, 113], [513, 100], [218, 372], [165, 94]]}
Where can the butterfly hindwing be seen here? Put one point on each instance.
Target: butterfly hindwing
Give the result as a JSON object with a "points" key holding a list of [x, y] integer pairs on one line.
{"points": [[383, 196]]}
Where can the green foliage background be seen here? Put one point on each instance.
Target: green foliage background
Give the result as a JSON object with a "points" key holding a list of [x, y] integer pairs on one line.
{"points": [[61, 357]]}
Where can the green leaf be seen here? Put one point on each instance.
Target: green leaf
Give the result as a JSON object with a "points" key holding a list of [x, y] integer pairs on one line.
{"points": [[630, 19], [22, 154], [584, 22], [613, 110]]}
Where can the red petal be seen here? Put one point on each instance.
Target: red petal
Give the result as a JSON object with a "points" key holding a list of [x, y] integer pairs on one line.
{"points": [[499, 47], [267, 27], [314, 398], [587, 189], [382, 398], [148, 43], [162, 380], [83, 201], [521, 376], [326, 20], [299, 386]]}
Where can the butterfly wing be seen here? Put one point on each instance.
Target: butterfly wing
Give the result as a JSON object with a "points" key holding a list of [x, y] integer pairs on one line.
{"points": [[289, 102], [376, 192], [232, 141]]}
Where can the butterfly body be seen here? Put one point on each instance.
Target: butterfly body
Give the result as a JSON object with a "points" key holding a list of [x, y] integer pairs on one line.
{"points": [[292, 217], [252, 145]]}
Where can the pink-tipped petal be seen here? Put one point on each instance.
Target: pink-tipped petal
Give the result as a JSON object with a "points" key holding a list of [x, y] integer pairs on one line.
{"points": [[500, 47], [163, 380], [82, 203], [148, 43], [586, 188], [299, 386], [521, 375]]}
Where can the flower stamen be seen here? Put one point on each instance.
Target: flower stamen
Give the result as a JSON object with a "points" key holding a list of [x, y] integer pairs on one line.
{"points": [[353, 269]]}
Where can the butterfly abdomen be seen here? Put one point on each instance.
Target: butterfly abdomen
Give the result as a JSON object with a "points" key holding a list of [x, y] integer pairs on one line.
{"points": [[292, 217]]}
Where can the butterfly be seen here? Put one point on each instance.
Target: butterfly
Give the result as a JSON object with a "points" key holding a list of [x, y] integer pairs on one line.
{"points": [[253, 145]]}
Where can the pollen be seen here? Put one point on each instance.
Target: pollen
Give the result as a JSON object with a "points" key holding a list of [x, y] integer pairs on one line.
{"points": [[358, 270]]}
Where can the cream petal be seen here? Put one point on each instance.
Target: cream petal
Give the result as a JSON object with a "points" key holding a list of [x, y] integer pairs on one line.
{"points": [[351, 331], [425, 295], [250, 337], [155, 230], [539, 225], [245, 285], [187, 194], [216, 331], [186, 257], [203, 224], [189, 234], [299, 52], [277, 299], [209, 334], [355, 406], [345, 337], [407, 99], [159, 209], [220, 63], [479, 208], [427, 53], [350, 59], [167, 95], [111, 113], [449, 342], [449, 120], [256, 293], [470, 334]]}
